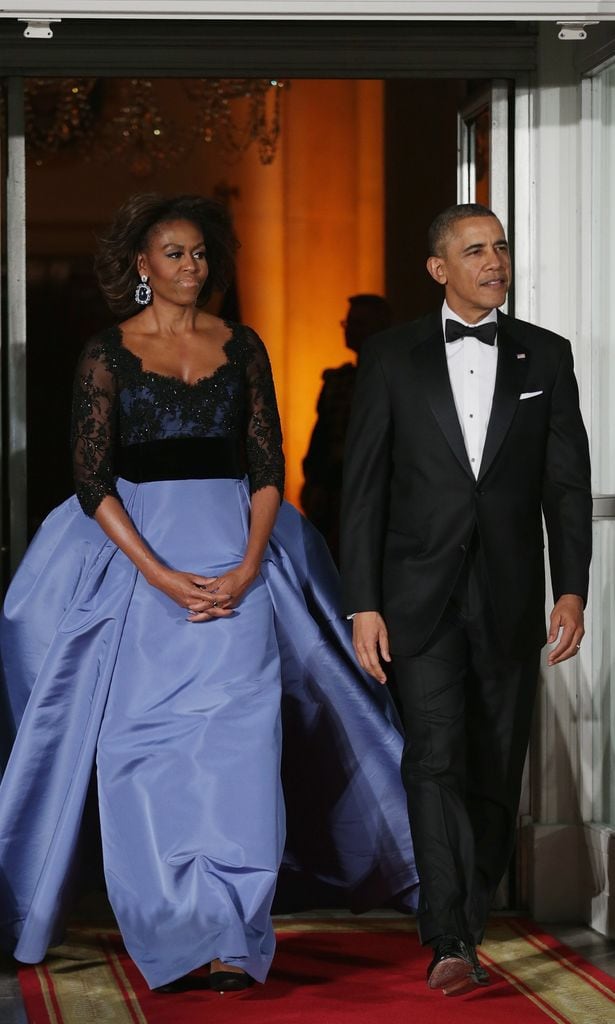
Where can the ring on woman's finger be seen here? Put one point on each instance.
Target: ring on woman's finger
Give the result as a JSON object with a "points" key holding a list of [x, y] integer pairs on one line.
{"points": [[214, 604]]}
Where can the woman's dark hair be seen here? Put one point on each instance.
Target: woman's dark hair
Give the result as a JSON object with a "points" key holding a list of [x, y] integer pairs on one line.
{"points": [[129, 233]]}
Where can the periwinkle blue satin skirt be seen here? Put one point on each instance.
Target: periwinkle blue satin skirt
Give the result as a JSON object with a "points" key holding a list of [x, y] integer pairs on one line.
{"points": [[182, 724]]}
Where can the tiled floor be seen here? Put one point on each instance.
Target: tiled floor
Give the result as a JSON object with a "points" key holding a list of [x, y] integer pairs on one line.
{"points": [[589, 944], [598, 950]]}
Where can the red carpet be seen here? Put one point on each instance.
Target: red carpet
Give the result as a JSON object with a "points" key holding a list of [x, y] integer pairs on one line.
{"points": [[330, 972]]}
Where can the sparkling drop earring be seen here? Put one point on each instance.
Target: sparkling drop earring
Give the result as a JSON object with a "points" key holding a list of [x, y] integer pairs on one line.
{"points": [[143, 294]]}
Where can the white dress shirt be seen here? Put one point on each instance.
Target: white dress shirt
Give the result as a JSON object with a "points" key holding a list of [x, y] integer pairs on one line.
{"points": [[472, 367]]}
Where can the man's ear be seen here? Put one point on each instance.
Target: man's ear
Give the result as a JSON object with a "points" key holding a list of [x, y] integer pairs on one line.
{"points": [[436, 267]]}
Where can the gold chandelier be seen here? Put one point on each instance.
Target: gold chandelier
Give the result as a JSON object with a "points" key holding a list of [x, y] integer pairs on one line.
{"points": [[132, 123]]}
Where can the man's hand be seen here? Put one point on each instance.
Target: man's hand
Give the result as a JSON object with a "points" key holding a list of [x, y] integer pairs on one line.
{"points": [[566, 616], [369, 639]]}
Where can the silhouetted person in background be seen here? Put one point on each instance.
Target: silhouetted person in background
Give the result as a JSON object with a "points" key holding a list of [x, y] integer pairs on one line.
{"points": [[322, 465]]}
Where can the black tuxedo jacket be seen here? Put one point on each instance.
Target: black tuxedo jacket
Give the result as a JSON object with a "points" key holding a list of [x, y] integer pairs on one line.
{"points": [[411, 502]]}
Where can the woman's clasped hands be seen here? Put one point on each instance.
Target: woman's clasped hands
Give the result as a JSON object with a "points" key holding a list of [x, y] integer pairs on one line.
{"points": [[205, 597]]}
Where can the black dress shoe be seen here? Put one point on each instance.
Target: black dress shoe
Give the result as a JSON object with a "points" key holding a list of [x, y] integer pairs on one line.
{"points": [[229, 981], [451, 967], [480, 975]]}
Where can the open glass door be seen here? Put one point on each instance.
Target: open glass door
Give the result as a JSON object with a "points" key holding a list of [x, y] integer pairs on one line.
{"points": [[10, 435], [484, 154], [483, 149], [12, 327], [13, 531]]}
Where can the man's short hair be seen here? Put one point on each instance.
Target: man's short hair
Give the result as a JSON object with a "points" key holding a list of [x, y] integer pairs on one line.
{"points": [[442, 226]]}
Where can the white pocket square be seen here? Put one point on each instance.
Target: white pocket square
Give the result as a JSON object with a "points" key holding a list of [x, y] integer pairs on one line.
{"points": [[529, 394]]}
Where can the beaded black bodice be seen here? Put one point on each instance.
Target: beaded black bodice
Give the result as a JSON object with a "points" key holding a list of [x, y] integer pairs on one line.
{"points": [[117, 404]]}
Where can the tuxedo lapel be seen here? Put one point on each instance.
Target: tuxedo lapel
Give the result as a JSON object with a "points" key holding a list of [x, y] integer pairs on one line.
{"points": [[429, 358], [513, 363]]}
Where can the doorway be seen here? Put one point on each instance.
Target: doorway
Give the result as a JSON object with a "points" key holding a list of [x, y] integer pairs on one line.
{"points": [[418, 119], [429, 54]]}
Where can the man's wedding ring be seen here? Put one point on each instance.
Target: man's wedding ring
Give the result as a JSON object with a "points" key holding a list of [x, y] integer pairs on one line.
{"points": [[578, 647]]}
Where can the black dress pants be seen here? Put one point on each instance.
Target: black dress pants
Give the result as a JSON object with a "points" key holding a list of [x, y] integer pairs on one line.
{"points": [[467, 710]]}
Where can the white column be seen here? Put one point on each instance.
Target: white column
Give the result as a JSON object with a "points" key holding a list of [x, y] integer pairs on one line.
{"points": [[571, 857], [552, 300]]}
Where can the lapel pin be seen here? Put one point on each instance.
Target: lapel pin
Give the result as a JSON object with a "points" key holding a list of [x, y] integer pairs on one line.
{"points": [[520, 355]]}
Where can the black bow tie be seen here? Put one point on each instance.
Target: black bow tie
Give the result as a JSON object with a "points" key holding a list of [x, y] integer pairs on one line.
{"points": [[484, 332]]}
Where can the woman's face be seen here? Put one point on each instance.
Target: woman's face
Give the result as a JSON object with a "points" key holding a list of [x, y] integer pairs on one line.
{"points": [[174, 260]]}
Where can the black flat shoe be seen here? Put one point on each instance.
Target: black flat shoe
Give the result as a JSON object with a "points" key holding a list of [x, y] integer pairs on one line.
{"points": [[229, 981], [188, 983], [451, 967]]}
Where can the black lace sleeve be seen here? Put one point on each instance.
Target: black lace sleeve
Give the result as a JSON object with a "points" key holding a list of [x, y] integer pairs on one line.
{"points": [[264, 434], [94, 426]]}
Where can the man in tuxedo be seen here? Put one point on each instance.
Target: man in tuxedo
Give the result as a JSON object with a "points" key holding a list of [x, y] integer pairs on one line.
{"points": [[465, 431]]}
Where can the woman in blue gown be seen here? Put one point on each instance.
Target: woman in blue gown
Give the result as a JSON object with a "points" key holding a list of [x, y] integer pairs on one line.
{"points": [[164, 622]]}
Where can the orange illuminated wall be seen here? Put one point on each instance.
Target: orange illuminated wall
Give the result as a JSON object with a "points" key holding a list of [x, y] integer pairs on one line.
{"points": [[311, 226]]}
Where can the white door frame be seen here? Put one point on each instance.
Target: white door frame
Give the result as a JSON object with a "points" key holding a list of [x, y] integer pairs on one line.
{"points": [[575, 11], [536, 168]]}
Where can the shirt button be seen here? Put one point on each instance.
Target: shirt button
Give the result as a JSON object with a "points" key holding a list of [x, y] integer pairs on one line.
{"points": [[471, 415], [472, 460], [471, 371]]}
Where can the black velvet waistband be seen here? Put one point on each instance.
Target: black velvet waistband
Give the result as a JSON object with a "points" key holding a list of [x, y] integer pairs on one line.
{"points": [[181, 458]]}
